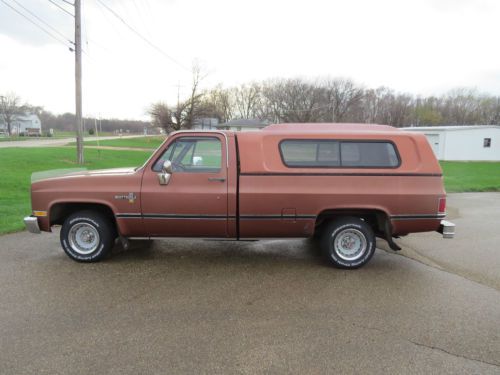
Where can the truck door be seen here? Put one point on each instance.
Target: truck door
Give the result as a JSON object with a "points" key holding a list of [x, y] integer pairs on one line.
{"points": [[194, 202]]}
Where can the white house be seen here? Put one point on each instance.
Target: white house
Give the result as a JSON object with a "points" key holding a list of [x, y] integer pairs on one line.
{"points": [[239, 125], [242, 125], [474, 142], [28, 124], [205, 123]]}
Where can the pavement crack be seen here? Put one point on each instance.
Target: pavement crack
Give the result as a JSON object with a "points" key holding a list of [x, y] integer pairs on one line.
{"points": [[450, 353], [432, 347]]}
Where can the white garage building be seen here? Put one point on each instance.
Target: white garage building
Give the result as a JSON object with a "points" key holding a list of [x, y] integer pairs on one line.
{"points": [[28, 124], [478, 142]]}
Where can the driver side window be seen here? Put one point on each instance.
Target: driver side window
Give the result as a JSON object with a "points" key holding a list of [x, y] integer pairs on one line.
{"points": [[193, 155]]}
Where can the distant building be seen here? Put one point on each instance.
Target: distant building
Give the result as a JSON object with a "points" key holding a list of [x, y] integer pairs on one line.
{"points": [[244, 125], [206, 123], [474, 142], [234, 125], [28, 124]]}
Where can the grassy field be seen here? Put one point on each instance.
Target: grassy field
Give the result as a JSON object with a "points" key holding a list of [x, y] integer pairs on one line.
{"points": [[471, 176], [141, 142], [17, 165], [72, 134]]}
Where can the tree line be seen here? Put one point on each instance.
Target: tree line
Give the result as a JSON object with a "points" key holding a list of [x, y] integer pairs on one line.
{"points": [[326, 100], [11, 106], [67, 121]]}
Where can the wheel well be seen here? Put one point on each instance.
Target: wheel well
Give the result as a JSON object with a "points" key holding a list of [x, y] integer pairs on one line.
{"points": [[377, 219], [60, 211]]}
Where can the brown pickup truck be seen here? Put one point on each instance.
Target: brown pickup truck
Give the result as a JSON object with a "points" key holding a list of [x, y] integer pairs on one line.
{"points": [[345, 184]]}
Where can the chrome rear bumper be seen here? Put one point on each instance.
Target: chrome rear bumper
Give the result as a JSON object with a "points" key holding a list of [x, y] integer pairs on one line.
{"points": [[447, 229], [31, 223]]}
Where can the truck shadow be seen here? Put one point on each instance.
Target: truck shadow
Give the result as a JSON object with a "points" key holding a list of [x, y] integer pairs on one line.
{"points": [[254, 252], [302, 253]]}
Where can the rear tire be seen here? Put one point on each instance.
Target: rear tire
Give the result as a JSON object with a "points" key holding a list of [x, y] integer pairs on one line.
{"points": [[87, 236], [348, 243]]}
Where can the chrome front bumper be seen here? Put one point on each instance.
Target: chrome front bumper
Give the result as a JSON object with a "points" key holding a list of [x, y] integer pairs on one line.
{"points": [[447, 229], [31, 223]]}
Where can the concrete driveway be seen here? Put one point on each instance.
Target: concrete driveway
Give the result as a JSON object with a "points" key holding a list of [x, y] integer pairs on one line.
{"points": [[254, 307], [474, 253], [54, 142]]}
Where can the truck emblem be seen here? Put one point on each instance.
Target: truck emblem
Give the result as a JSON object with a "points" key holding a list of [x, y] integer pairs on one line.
{"points": [[130, 196]]}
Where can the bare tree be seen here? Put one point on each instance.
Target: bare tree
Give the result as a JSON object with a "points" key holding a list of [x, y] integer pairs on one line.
{"points": [[337, 100], [489, 108], [247, 100], [172, 118], [462, 106], [183, 115], [343, 94], [291, 100], [217, 103], [10, 107], [187, 110], [161, 116]]}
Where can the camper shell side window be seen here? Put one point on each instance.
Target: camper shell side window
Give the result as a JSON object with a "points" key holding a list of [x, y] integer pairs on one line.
{"points": [[332, 153]]}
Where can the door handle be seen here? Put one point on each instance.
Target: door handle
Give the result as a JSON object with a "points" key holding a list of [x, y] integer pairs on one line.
{"points": [[220, 179]]}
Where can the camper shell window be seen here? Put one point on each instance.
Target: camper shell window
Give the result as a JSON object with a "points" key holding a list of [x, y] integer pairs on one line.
{"points": [[311, 153]]}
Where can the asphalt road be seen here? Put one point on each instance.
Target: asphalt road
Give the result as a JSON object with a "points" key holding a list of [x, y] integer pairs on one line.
{"points": [[256, 307], [54, 142]]}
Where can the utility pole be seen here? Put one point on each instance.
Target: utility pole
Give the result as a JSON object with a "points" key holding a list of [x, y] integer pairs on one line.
{"points": [[78, 81]]}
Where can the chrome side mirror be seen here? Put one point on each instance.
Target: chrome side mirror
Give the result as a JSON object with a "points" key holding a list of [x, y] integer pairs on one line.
{"points": [[167, 167], [166, 173]]}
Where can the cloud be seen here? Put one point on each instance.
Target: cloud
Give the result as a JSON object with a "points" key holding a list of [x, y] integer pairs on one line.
{"points": [[416, 46], [462, 5], [18, 28]]}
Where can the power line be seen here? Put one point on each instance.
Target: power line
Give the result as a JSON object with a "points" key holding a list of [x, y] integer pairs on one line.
{"points": [[141, 16], [142, 36], [37, 25], [60, 7], [42, 21]]}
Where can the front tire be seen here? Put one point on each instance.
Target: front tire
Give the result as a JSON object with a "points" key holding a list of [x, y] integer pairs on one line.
{"points": [[348, 243], [87, 236]]}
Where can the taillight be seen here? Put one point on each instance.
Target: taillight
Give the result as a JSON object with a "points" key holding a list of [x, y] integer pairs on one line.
{"points": [[442, 205]]}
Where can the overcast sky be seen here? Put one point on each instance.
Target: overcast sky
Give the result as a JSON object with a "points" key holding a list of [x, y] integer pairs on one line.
{"points": [[417, 46]]}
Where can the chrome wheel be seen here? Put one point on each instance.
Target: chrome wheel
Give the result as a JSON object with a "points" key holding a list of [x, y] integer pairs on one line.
{"points": [[350, 244], [83, 238]]}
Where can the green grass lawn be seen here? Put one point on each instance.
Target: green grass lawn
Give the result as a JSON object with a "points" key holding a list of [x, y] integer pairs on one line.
{"points": [[141, 142], [17, 165], [471, 176], [72, 134]]}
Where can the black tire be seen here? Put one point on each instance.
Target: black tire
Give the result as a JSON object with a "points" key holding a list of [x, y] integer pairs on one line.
{"points": [[87, 236], [348, 243]]}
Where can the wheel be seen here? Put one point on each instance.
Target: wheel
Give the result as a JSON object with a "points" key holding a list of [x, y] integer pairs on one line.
{"points": [[348, 242], [87, 236]]}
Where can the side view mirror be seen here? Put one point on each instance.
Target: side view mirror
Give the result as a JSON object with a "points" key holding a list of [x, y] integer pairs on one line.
{"points": [[166, 173], [167, 167]]}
